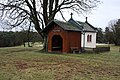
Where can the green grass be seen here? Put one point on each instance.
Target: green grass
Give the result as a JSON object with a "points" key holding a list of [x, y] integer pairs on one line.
{"points": [[19, 63]]}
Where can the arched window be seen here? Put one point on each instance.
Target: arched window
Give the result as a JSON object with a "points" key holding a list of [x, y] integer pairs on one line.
{"points": [[89, 38]]}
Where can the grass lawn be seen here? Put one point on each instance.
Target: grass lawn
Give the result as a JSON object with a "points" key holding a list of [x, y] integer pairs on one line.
{"points": [[19, 63]]}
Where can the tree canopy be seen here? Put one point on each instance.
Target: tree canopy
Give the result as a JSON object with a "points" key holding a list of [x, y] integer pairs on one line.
{"points": [[39, 12], [113, 32], [8, 39]]}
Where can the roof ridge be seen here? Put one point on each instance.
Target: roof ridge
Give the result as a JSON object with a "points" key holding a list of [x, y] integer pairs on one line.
{"points": [[75, 23], [70, 25]]}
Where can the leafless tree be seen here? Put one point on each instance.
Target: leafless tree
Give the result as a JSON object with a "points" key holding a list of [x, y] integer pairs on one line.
{"points": [[113, 32], [40, 12]]}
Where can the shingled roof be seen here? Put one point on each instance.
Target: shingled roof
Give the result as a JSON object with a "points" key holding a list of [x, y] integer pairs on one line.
{"points": [[83, 25], [67, 26], [72, 25]]}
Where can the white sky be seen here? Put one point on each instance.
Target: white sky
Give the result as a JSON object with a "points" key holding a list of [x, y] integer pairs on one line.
{"points": [[106, 11]]}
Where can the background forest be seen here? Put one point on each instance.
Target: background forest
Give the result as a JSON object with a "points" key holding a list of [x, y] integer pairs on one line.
{"points": [[8, 39]]}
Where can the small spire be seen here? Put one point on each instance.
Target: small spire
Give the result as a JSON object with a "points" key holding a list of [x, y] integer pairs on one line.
{"points": [[86, 19], [71, 15]]}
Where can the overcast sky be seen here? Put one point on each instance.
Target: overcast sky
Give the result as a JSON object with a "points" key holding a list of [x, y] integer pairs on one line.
{"points": [[106, 11]]}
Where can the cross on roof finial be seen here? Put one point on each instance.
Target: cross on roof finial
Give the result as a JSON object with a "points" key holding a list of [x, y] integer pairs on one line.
{"points": [[71, 15]]}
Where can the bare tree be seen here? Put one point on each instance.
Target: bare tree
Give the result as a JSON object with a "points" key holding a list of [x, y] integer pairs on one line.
{"points": [[113, 32], [40, 12]]}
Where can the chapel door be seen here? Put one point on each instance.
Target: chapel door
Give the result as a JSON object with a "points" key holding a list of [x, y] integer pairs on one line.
{"points": [[57, 43]]}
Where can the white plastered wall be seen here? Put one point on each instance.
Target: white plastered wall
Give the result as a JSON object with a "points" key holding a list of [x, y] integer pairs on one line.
{"points": [[91, 44]]}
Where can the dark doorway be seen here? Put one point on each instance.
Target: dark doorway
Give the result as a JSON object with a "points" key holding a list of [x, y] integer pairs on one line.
{"points": [[57, 42]]}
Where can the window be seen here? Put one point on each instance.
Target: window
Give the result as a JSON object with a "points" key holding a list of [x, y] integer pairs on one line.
{"points": [[89, 38]]}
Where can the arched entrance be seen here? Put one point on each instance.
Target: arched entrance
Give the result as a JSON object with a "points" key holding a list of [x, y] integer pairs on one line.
{"points": [[57, 43]]}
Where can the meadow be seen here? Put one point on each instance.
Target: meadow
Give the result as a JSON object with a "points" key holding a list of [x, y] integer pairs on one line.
{"points": [[29, 63]]}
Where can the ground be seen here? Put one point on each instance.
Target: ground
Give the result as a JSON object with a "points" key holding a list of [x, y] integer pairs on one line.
{"points": [[19, 63]]}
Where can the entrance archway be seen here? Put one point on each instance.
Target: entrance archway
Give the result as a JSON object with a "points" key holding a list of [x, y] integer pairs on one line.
{"points": [[57, 43]]}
